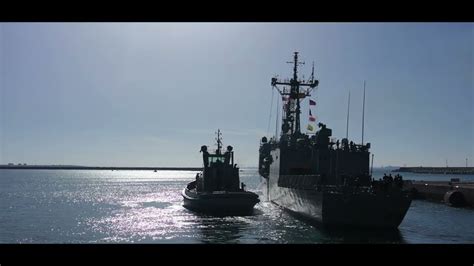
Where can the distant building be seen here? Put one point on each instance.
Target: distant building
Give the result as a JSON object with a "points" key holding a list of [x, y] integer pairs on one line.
{"points": [[10, 164]]}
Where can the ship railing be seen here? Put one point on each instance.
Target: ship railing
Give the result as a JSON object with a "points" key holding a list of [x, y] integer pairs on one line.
{"points": [[346, 189], [316, 182], [307, 176]]}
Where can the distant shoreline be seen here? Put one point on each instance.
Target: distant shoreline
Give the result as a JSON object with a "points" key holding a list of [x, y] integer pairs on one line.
{"points": [[59, 167], [437, 170]]}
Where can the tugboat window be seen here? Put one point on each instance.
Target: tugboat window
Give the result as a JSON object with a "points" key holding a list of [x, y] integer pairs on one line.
{"points": [[216, 159]]}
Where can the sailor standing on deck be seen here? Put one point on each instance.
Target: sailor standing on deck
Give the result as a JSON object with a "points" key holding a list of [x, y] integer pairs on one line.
{"points": [[227, 155], [205, 155]]}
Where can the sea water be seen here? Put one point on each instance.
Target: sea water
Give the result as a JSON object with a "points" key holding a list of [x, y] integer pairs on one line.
{"points": [[104, 206]]}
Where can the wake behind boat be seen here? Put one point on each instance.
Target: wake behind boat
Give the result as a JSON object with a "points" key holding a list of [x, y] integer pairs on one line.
{"points": [[217, 189]]}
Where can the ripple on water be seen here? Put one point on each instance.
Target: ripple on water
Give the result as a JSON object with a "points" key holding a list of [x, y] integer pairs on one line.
{"points": [[146, 207]]}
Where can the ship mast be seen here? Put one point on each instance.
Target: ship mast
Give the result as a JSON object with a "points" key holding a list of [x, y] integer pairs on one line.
{"points": [[291, 120], [219, 141]]}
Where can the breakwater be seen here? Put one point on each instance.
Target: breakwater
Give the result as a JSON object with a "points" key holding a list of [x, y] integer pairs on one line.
{"points": [[450, 192], [437, 170]]}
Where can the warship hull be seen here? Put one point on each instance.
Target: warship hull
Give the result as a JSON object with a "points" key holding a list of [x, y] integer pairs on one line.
{"points": [[333, 209], [220, 202]]}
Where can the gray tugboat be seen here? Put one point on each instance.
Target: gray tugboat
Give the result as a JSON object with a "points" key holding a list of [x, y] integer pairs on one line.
{"points": [[217, 189], [315, 177]]}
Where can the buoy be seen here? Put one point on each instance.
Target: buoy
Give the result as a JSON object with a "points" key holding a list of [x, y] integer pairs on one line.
{"points": [[454, 198]]}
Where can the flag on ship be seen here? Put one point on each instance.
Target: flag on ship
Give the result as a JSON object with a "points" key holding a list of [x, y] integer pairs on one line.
{"points": [[311, 102]]}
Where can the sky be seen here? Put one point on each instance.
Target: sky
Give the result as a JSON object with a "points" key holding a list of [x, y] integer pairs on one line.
{"points": [[150, 94]]}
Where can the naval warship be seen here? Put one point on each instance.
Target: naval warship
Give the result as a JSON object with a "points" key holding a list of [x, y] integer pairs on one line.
{"points": [[217, 189], [321, 179]]}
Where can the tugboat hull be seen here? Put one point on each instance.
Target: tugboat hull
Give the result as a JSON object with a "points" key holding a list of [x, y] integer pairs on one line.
{"points": [[336, 209], [220, 202]]}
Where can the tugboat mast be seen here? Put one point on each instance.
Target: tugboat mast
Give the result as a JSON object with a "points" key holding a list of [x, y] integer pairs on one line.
{"points": [[291, 121]]}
